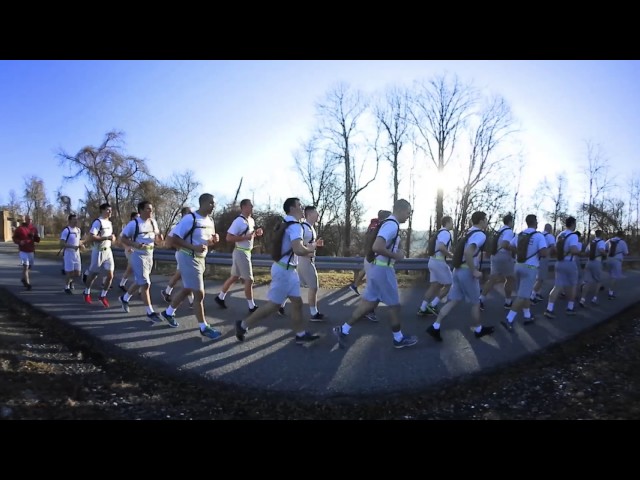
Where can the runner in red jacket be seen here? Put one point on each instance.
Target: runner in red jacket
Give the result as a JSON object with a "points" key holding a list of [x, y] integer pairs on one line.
{"points": [[26, 236]]}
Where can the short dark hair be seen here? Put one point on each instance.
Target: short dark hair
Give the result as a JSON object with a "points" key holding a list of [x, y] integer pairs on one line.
{"points": [[531, 220], [133, 215], [570, 222], [619, 233], [143, 204], [598, 233], [445, 220], [104, 206], [205, 198], [309, 208], [289, 203], [477, 217], [244, 202], [508, 218], [578, 234], [73, 215], [185, 211]]}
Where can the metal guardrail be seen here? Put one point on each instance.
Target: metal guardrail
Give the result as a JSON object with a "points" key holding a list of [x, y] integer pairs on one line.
{"points": [[322, 263]]}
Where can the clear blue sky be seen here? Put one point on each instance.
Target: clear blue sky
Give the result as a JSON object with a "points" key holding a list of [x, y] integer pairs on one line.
{"points": [[228, 119]]}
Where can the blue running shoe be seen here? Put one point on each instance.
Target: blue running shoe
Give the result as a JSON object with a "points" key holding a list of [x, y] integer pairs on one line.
{"points": [[210, 333], [171, 319], [154, 317]]}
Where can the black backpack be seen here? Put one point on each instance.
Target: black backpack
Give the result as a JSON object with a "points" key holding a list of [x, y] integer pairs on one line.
{"points": [[613, 246], [458, 254], [523, 246], [496, 239], [593, 249], [560, 253], [371, 255], [431, 247], [276, 245]]}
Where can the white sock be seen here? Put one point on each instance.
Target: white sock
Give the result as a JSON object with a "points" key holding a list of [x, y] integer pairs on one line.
{"points": [[170, 310], [511, 315], [478, 329], [123, 282], [203, 326], [397, 336], [345, 328], [168, 290], [436, 325], [149, 309], [251, 303], [190, 297], [87, 291], [424, 305], [526, 312], [126, 297], [550, 306], [221, 295], [594, 299], [482, 298], [435, 301], [284, 303], [313, 310], [104, 293], [570, 305]]}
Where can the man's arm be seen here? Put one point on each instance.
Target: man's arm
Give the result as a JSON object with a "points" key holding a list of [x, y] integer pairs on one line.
{"points": [[380, 247], [299, 249]]}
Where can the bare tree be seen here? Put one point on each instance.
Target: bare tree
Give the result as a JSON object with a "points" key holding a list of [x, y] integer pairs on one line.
{"points": [[113, 174], [440, 109], [14, 205], [35, 199], [317, 168], [556, 193], [179, 191], [597, 173], [633, 222], [393, 125], [339, 116], [494, 125]]}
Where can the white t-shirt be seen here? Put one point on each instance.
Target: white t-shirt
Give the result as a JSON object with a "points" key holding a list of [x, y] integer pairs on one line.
{"points": [[204, 229], [71, 236], [505, 234], [536, 243], [478, 237], [444, 238], [147, 230], [389, 230], [243, 226], [102, 228]]}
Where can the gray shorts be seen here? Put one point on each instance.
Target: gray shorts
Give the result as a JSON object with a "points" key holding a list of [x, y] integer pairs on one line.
{"points": [[502, 264], [285, 283], [615, 268], [308, 273], [440, 272], [26, 258], [525, 279], [382, 285], [141, 266], [101, 260], [241, 266], [566, 273], [593, 271], [191, 271], [543, 269], [72, 260], [465, 287]]}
